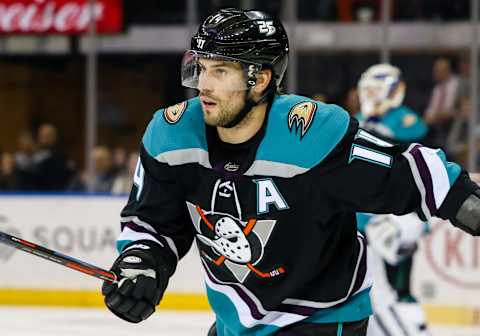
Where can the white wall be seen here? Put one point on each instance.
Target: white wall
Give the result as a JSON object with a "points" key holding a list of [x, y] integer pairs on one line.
{"points": [[85, 228], [447, 267]]}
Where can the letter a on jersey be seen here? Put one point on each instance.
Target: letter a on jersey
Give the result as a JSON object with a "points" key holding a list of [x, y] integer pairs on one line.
{"points": [[267, 194]]}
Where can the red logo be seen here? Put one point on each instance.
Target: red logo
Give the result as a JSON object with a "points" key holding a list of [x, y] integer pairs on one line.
{"points": [[454, 255], [59, 16]]}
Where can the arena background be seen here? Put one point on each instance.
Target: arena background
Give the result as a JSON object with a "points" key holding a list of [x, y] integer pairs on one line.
{"points": [[99, 82]]}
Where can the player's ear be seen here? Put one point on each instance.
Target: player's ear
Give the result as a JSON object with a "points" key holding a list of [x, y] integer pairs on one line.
{"points": [[263, 79]]}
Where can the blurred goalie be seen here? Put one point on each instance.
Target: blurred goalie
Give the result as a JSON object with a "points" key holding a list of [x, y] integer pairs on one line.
{"points": [[393, 239]]}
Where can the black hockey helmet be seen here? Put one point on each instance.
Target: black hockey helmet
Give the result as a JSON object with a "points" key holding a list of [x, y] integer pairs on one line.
{"points": [[253, 38]]}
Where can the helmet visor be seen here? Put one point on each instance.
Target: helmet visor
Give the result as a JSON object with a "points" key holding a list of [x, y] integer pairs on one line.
{"points": [[207, 71]]}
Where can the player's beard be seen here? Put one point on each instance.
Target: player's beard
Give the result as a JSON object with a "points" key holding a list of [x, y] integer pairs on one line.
{"points": [[227, 109]]}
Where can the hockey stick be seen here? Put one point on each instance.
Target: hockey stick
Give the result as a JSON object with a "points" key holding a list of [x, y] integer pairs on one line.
{"points": [[57, 257]]}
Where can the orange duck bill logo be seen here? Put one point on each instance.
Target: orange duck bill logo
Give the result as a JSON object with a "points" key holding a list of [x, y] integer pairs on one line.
{"points": [[301, 115], [227, 240]]}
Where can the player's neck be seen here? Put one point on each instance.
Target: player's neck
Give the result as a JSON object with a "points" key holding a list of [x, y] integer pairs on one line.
{"points": [[247, 128]]}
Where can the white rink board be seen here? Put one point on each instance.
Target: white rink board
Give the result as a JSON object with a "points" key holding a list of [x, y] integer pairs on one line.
{"points": [[447, 267], [84, 227], [446, 270]]}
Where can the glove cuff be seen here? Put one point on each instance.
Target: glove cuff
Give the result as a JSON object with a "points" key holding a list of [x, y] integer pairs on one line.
{"points": [[160, 258]]}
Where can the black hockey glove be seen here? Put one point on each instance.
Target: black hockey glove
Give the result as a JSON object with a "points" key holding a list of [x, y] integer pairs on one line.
{"points": [[143, 272]]}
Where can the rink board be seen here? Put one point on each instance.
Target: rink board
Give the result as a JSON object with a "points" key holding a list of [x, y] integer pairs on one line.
{"points": [[446, 272]]}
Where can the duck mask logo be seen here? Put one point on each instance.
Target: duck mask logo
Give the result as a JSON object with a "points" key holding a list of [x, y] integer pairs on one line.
{"points": [[225, 239]]}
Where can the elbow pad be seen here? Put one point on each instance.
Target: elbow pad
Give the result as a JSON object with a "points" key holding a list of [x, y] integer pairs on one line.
{"points": [[468, 215]]}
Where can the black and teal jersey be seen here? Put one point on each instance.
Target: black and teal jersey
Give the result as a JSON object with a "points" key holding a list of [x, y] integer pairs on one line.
{"points": [[399, 124], [274, 218]]}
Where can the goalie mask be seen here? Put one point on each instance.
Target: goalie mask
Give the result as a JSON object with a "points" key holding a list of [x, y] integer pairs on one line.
{"points": [[380, 88], [235, 39]]}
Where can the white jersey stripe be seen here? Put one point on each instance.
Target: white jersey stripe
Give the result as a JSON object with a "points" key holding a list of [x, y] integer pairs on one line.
{"points": [[129, 234], [441, 183], [150, 228], [275, 318], [418, 180]]}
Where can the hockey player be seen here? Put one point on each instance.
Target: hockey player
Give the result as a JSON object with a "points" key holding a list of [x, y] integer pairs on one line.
{"points": [[393, 239], [381, 91], [268, 186]]}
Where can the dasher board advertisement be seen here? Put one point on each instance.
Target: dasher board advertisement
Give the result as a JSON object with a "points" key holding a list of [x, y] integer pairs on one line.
{"points": [[60, 16]]}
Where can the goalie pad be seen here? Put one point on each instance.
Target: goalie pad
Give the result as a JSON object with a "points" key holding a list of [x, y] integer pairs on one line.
{"points": [[399, 319], [394, 238]]}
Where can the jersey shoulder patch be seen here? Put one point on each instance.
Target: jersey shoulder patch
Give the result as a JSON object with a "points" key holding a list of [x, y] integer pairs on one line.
{"points": [[175, 128], [301, 132], [300, 117], [173, 113]]}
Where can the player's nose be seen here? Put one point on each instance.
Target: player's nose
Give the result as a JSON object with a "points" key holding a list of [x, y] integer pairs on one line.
{"points": [[204, 84]]}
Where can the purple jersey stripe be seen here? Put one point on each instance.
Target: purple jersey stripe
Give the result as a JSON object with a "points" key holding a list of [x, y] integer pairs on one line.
{"points": [[299, 310], [284, 308], [137, 228], [426, 178], [244, 296]]}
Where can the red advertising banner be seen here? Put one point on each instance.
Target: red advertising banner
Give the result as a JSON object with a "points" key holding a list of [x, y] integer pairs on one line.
{"points": [[59, 16]]}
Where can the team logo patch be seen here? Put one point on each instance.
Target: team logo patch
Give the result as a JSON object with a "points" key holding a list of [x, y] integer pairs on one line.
{"points": [[225, 240], [301, 115], [173, 113]]}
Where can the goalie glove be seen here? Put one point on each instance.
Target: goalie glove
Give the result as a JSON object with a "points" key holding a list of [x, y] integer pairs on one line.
{"points": [[394, 237], [143, 273]]}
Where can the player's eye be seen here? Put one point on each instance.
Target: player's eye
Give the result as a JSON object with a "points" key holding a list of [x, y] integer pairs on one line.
{"points": [[220, 71]]}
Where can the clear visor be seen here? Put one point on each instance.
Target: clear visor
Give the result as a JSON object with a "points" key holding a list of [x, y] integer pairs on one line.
{"points": [[206, 71]]}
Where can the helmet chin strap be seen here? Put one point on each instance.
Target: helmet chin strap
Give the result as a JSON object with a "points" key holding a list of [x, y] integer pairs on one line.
{"points": [[249, 104]]}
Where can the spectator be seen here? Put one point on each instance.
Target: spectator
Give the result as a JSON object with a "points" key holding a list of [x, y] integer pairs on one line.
{"points": [[123, 181], [119, 157], [51, 168], [104, 174], [464, 77], [7, 172], [24, 165], [102, 181], [457, 137], [441, 109], [321, 97], [352, 101]]}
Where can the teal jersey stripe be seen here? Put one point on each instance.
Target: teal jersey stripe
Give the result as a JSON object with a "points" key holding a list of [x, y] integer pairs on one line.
{"points": [[357, 308], [228, 321], [362, 221], [121, 245], [453, 169], [284, 145], [187, 133], [340, 329]]}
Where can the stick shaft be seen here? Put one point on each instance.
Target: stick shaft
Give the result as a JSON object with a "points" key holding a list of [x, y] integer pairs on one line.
{"points": [[57, 257]]}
